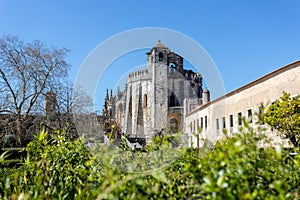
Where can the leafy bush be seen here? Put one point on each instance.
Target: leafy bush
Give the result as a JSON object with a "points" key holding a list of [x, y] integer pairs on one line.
{"points": [[284, 116], [56, 168]]}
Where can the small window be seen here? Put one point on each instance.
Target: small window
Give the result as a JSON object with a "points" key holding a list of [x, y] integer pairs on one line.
{"points": [[205, 122], [145, 100], [201, 122], [197, 125], [160, 56], [217, 124], [224, 122], [191, 126], [240, 119], [249, 112], [231, 120]]}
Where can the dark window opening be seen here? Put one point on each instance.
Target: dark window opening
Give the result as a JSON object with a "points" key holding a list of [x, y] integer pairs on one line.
{"points": [[205, 122], [145, 100], [217, 124], [231, 120], [240, 119], [160, 56], [201, 122], [249, 116], [173, 100], [224, 122]]}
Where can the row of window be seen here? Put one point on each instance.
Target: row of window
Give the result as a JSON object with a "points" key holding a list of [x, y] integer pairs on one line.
{"points": [[221, 122], [203, 121]]}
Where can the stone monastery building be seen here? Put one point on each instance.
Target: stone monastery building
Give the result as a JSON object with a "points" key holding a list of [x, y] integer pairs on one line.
{"points": [[153, 98], [166, 96]]}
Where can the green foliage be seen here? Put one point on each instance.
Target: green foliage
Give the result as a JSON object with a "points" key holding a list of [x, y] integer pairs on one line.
{"points": [[284, 116], [235, 168]]}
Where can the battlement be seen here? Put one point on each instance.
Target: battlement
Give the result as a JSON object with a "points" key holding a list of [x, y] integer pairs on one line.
{"points": [[138, 75]]}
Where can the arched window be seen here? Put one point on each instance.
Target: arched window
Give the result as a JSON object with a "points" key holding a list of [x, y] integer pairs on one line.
{"points": [[160, 56], [172, 100], [145, 100]]}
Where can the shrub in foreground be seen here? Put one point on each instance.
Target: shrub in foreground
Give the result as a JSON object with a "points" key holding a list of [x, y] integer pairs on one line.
{"points": [[56, 168]]}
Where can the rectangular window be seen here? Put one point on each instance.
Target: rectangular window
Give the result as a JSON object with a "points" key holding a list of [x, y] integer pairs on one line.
{"points": [[205, 122], [217, 124], [240, 119], [249, 113], [231, 120], [191, 126], [201, 122], [197, 125], [224, 122]]}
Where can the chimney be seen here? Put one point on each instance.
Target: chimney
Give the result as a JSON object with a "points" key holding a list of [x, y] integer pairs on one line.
{"points": [[205, 96]]}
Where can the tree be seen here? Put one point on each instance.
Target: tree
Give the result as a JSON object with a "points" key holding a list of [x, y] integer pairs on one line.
{"points": [[26, 72], [69, 101], [284, 116]]}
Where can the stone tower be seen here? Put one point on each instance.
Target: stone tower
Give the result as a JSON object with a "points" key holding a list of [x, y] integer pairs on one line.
{"points": [[153, 97], [158, 64], [50, 104]]}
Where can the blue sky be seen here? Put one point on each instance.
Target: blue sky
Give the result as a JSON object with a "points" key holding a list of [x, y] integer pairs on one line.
{"points": [[246, 39]]}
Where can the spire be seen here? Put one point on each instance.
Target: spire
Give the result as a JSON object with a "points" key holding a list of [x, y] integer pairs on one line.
{"points": [[159, 44], [110, 95], [106, 97]]}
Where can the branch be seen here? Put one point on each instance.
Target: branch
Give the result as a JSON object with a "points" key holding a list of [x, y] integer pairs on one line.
{"points": [[9, 87]]}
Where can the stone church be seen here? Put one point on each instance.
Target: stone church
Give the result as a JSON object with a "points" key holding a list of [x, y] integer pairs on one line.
{"points": [[153, 98]]}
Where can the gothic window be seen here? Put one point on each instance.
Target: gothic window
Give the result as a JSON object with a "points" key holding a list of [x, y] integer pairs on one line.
{"points": [[172, 100], [160, 56], [145, 100]]}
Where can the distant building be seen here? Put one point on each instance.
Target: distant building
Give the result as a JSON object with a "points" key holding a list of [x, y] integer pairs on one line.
{"points": [[50, 104]]}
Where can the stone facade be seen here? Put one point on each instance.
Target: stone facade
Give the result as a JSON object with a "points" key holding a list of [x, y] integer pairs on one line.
{"points": [[153, 98], [226, 111]]}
